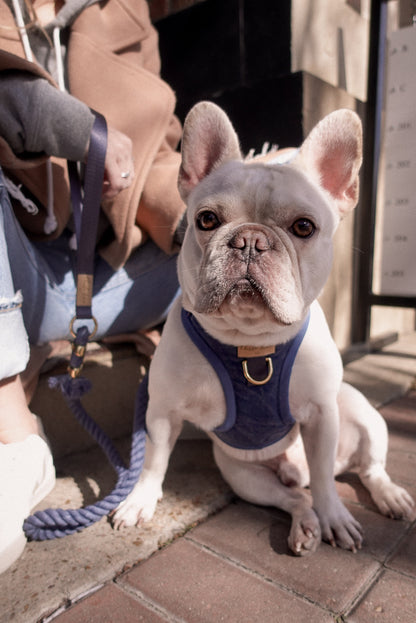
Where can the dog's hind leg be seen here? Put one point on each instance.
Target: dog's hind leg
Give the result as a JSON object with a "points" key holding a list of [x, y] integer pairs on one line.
{"points": [[259, 484], [363, 444]]}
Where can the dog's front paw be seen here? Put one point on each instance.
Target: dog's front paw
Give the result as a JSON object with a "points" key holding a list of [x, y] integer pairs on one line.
{"points": [[139, 506], [340, 528], [305, 534], [394, 501]]}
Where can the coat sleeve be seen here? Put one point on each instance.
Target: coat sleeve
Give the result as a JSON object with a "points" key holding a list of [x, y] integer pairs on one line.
{"points": [[37, 118]]}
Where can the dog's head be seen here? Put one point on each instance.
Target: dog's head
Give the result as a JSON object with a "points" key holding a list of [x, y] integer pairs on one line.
{"points": [[258, 246]]}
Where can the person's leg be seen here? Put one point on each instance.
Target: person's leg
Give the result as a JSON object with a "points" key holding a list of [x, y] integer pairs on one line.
{"points": [[16, 421], [26, 466], [136, 296]]}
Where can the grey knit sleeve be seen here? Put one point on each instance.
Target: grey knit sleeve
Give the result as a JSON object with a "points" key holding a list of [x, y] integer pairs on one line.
{"points": [[38, 118]]}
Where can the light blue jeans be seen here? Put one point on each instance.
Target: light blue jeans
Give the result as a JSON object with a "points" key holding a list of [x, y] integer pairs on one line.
{"points": [[37, 290]]}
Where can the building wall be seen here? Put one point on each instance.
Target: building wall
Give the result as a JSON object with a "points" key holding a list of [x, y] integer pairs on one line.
{"points": [[277, 67], [330, 41]]}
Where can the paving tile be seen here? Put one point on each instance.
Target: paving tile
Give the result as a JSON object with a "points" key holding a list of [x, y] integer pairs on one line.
{"points": [[401, 466], [392, 599], [381, 534], [401, 411], [108, 605], [257, 538], [404, 559], [402, 442], [400, 415], [351, 489], [197, 586]]}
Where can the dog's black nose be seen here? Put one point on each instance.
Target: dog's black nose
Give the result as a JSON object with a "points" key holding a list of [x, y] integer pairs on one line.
{"points": [[250, 240]]}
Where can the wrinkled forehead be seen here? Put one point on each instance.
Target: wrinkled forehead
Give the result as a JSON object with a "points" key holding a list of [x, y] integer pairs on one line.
{"points": [[244, 188]]}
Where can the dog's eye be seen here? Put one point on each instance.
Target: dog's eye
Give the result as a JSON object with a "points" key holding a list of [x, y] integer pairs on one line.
{"points": [[303, 228], [207, 220]]}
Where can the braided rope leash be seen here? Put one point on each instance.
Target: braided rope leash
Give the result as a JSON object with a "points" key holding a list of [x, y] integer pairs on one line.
{"points": [[57, 522]]}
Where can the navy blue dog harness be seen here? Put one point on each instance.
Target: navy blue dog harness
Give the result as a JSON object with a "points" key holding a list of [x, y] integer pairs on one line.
{"points": [[256, 389]]}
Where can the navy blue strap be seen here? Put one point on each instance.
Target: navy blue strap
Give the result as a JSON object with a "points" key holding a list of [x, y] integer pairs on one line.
{"points": [[86, 210], [76, 195], [204, 343], [217, 364]]}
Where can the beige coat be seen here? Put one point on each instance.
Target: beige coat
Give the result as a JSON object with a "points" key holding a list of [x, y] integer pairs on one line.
{"points": [[113, 66]]}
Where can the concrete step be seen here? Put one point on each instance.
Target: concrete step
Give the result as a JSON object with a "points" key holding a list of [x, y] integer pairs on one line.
{"points": [[114, 372]]}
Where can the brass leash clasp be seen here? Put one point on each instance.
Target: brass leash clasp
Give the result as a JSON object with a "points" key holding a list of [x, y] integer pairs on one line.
{"points": [[79, 346]]}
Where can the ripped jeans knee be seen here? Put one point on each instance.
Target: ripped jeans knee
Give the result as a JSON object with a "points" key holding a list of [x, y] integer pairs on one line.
{"points": [[14, 344]]}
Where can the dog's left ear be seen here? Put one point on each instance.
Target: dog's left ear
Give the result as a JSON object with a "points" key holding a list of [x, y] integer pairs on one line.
{"points": [[332, 153], [208, 141]]}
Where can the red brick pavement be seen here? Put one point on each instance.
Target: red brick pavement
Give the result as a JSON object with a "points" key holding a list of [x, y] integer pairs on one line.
{"points": [[236, 567]]}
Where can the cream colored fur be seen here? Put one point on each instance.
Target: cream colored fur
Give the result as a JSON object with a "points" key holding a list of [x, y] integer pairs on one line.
{"points": [[250, 279]]}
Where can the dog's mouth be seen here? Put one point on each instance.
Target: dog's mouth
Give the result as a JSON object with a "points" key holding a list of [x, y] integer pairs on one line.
{"points": [[245, 298], [246, 291], [249, 299]]}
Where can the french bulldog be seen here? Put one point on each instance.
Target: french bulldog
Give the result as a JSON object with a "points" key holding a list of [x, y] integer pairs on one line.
{"points": [[246, 353]]}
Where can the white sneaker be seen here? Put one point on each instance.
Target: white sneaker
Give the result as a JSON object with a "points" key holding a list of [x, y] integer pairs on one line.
{"points": [[27, 475]]}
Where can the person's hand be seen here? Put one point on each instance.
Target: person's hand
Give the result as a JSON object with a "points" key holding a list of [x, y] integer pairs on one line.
{"points": [[119, 164]]}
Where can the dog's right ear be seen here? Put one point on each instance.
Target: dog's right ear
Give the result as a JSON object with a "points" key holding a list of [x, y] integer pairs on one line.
{"points": [[208, 141]]}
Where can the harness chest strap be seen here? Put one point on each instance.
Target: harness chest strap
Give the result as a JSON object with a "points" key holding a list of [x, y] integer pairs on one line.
{"points": [[255, 383]]}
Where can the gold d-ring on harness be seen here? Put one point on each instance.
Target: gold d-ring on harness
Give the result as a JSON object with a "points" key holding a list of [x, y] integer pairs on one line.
{"points": [[250, 379]]}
